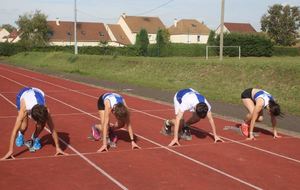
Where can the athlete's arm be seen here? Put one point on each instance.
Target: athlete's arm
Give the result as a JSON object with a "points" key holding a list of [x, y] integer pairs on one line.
{"points": [[178, 118], [213, 126], [104, 125], [257, 109], [21, 116]]}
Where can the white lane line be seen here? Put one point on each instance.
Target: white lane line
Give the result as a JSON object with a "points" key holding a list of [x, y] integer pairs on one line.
{"points": [[74, 150], [162, 146]]}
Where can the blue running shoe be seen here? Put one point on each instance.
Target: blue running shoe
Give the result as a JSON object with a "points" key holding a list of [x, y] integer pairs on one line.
{"points": [[36, 144], [20, 139]]}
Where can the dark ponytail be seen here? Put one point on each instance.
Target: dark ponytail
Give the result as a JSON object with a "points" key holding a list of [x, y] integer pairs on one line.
{"points": [[275, 108]]}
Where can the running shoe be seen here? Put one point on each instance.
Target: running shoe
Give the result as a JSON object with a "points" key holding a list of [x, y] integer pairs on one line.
{"points": [[245, 129], [20, 139], [29, 145], [167, 128], [95, 134], [113, 138], [36, 144], [186, 133]]}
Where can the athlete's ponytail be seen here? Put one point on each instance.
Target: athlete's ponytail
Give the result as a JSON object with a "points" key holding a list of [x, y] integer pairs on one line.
{"points": [[274, 108]]}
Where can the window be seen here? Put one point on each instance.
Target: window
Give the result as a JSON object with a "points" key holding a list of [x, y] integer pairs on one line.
{"points": [[198, 38], [101, 34]]}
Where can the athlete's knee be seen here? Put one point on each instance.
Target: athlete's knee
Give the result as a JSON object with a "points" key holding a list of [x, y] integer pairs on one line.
{"points": [[260, 118]]}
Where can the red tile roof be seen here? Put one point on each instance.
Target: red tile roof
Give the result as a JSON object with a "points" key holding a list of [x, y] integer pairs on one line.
{"points": [[151, 24], [189, 26], [86, 32], [119, 34], [239, 27]]}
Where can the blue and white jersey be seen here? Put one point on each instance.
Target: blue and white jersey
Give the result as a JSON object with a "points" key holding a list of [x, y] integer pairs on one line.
{"points": [[31, 96], [113, 98], [187, 99], [264, 95]]}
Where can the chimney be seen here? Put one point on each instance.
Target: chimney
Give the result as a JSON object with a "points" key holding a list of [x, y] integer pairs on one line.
{"points": [[175, 22], [57, 21], [124, 15]]}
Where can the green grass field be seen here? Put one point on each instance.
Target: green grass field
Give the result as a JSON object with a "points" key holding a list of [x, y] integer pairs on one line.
{"points": [[219, 81]]}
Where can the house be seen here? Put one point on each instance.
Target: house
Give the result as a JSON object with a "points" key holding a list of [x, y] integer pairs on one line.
{"points": [[14, 36], [88, 33], [132, 25], [236, 27], [117, 35], [188, 31], [3, 35]]}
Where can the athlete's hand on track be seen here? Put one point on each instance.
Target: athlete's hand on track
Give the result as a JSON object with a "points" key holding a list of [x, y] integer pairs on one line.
{"points": [[218, 139], [250, 138], [60, 151], [9, 154], [134, 145], [174, 142], [103, 148], [276, 136]]}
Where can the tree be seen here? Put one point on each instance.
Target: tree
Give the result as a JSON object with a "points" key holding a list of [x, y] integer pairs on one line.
{"points": [[142, 42], [281, 24], [34, 29], [212, 38], [8, 27], [162, 40]]}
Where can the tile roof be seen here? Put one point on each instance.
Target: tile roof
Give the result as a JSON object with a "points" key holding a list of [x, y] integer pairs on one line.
{"points": [[119, 34], [15, 33], [239, 27], [86, 31], [189, 26], [151, 24]]}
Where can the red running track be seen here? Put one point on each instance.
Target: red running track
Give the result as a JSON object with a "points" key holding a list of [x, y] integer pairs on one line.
{"points": [[198, 164]]}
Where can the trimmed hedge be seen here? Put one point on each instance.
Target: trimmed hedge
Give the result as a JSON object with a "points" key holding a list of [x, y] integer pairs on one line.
{"points": [[8, 49], [251, 45], [177, 49], [255, 45], [286, 51]]}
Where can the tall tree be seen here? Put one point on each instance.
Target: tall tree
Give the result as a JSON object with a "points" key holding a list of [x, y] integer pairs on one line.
{"points": [[8, 27], [212, 38], [162, 40], [281, 24], [34, 29], [142, 42]]}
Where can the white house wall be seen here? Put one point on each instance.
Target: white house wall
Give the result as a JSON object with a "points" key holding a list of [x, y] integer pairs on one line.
{"points": [[189, 39], [72, 43], [110, 34], [115, 44], [3, 34], [131, 36], [225, 30]]}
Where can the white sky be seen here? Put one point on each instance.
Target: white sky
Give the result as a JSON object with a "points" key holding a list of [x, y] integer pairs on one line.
{"points": [[108, 11]]}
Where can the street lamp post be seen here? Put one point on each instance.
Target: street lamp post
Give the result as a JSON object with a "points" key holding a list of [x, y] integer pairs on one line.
{"points": [[75, 29], [222, 29]]}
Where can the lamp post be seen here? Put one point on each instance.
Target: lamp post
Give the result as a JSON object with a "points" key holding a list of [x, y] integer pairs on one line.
{"points": [[75, 29], [222, 29]]}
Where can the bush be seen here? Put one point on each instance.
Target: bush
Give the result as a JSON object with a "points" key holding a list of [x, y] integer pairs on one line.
{"points": [[286, 51], [256, 45], [178, 49], [8, 49]]}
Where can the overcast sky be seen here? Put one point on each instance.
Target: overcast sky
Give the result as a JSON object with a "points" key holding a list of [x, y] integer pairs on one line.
{"points": [[108, 11]]}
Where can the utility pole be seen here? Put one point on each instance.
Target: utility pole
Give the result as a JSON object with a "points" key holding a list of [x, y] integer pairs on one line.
{"points": [[75, 29], [222, 29]]}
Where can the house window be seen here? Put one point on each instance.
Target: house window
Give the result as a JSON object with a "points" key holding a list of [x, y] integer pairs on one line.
{"points": [[101, 34], [198, 38]]}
